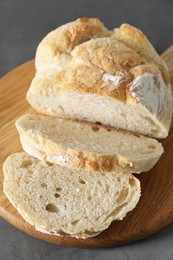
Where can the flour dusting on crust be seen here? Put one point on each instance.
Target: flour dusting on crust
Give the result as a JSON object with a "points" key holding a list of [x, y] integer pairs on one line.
{"points": [[113, 80], [149, 90]]}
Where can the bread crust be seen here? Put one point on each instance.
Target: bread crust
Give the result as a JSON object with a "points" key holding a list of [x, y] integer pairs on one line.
{"points": [[94, 50], [61, 41], [136, 40], [84, 57], [42, 146], [21, 170]]}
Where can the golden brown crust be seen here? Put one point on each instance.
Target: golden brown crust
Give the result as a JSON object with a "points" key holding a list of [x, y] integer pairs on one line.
{"points": [[86, 51], [135, 39], [65, 38], [74, 158], [92, 59], [93, 162]]}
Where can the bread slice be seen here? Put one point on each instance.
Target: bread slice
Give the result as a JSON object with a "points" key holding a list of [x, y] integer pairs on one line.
{"points": [[83, 145], [60, 200], [116, 78]]}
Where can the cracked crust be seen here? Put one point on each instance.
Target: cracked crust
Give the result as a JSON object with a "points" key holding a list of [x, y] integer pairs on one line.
{"points": [[136, 40], [85, 47], [59, 43], [75, 58], [81, 52]]}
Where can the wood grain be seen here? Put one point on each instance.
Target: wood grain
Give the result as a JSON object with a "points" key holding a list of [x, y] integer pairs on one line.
{"points": [[153, 212]]}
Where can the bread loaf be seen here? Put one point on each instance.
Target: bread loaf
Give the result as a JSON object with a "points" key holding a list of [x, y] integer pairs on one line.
{"points": [[116, 78]]}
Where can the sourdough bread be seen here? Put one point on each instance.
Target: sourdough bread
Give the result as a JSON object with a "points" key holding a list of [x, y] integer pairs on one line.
{"points": [[83, 145], [59, 200], [116, 78]]}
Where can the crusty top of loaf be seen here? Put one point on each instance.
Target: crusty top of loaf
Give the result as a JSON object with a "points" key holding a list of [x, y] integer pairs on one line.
{"points": [[88, 58], [61, 41]]}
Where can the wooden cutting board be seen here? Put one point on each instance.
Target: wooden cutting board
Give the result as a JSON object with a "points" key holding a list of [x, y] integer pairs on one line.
{"points": [[153, 212]]}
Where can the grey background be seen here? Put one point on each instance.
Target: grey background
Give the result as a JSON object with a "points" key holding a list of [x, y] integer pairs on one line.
{"points": [[23, 23]]}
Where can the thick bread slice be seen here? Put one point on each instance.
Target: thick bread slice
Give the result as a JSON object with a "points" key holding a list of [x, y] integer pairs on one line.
{"points": [[60, 200], [84, 145], [85, 72]]}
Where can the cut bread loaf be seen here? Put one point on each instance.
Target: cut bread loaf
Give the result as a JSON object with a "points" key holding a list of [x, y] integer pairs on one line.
{"points": [[59, 200], [116, 78], [84, 145]]}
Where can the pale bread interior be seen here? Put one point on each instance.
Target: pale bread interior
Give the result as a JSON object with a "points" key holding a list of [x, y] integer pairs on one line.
{"points": [[61, 200], [52, 138], [102, 109]]}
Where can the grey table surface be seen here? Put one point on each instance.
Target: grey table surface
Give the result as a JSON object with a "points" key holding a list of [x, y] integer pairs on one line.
{"points": [[23, 23]]}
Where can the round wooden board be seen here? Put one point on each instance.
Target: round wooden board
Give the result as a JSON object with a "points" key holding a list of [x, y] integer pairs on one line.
{"points": [[155, 208]]}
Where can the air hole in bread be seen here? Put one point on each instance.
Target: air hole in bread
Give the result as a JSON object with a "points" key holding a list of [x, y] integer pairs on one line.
{"points": [[109, 129], [44, 185], [122, 196], [95, 128], [30, 171], [60, 109], [132, 182], [89, 197], [40, 196], [51, 208], [49, 163], [58, 189], [98, 123], [74, 223], [57, 195], [81, 181], [17, 182], [154, 131], [107, 188], [151, 146], [97, 218], [118, 179], [61, 232], [52, 125], [123, 115], [115, 211], [112, 214], [150, 122], [26, 163], [51, 232]]}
